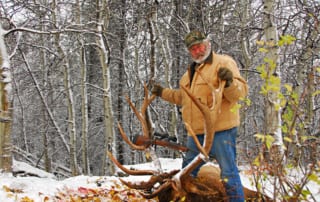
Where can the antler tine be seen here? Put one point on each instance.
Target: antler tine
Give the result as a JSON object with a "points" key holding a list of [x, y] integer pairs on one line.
{"points": [[207, 114], [163, 187], [209, 127], [208, 119], [195, 139], [147, 100], [125, 138], [219, 92], [151, 182], [141, 185], [128, 171], [139, 116]]}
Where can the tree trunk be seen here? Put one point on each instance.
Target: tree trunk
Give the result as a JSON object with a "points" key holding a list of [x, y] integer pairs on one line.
{"points": [[121, 77], [304, 89], [245, 47], [5, 108], [108, 167], [165, 50], [71, 121], [84, 112], [69, 95], [84, 98], [273, 118], [44, 67], [272, 102]]}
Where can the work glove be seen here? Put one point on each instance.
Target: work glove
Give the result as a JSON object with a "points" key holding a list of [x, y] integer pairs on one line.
{"points": [[225, 74], [157, 89]]}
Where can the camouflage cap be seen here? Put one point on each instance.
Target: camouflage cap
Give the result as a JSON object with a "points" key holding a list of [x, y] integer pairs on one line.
{"points": [[194, 37]]}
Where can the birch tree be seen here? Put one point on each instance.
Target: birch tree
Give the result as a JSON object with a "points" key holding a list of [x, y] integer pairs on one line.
{"points": [[273, 83], [84, 95], [69, 95], [168, 61], [110, 44], [102, 24], [5, 107]]}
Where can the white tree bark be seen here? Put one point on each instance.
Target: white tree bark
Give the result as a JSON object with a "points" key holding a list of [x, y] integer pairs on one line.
{"points": [[108, 167], [84, 98], [69, 94], [5, 108], [272, 102]]}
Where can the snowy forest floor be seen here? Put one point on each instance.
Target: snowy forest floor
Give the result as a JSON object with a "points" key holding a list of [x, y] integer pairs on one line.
{"points": [[46, 188]]}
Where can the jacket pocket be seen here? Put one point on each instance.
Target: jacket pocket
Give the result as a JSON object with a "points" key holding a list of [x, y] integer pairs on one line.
{"points": [[203, 93]]}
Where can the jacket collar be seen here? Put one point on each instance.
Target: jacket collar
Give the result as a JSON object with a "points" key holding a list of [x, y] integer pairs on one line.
{"points": [[192, 68], [208, 61]]}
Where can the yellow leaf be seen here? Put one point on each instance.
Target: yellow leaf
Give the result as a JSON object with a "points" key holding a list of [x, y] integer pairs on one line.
{"points": [[288, 87], [10, 195], [148, 155], [6, 188], [183, 198], [287, 139], [260, 43], [257, 161], [270, 43], [263, 50], [26, 199]]}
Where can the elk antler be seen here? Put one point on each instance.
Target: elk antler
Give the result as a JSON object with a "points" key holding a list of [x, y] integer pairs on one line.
{"points": [[210, 116], [141, 117], [180, 182], [128, 171], [157, 177]]}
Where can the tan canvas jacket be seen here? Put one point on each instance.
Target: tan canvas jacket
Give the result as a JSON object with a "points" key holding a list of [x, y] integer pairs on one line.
{"points": [[190, 113]]}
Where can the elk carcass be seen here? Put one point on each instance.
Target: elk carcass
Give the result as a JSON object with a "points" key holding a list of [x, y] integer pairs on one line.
{"points": [[178, 185]]}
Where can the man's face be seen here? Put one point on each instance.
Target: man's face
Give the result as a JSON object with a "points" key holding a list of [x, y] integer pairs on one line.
{"points": [[199, 52]]}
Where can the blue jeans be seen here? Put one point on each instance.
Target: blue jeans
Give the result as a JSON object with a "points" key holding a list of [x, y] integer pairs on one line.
{"points": [[224, 151]]}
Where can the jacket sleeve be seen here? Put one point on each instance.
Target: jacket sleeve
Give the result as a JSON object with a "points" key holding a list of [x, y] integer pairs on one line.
{"points": [[172, 95], [238, 88]]}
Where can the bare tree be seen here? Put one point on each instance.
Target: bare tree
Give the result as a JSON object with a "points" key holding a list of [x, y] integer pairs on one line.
{"points": [[5, 107], [108, 49], [102, 24], [272, 102]]}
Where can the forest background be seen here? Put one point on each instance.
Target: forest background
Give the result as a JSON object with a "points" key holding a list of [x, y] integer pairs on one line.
{"points": [[70, 64]]}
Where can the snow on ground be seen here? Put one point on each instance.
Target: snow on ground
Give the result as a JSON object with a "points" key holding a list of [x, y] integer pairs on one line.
{"points": [[46, 188]]}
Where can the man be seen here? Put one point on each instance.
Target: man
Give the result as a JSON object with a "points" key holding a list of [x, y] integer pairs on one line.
{"points": [[213, 67]]}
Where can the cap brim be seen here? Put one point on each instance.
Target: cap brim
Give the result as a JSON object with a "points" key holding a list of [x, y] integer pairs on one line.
{"points": [[195, 42]]}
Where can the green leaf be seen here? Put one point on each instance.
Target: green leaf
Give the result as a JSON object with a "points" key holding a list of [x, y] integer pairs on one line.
{"points": [[305, 193], [235, 108], [316, 93], [284, 128], [307, 137], [286, 40], [256, 161], [263, 50], [288, 87], [259, 136], [287, 139], [313, 177], [269, 141]]}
